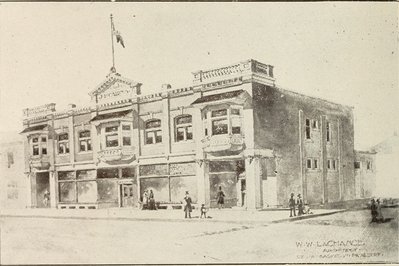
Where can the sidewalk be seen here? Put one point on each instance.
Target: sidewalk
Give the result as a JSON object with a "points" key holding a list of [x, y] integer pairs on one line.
{"points": [[222, 216]]}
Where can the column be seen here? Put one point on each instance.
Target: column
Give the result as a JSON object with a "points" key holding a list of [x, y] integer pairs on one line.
{"points": [[95, 140], [71, 135], [166, 138], [324, 157], [53, 190], [253, 183], [201, 169], [33, 189], [28, 191], [304, 183]]}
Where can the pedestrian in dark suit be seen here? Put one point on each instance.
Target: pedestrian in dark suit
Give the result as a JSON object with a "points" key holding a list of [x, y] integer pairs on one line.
{"points": [[300, 205], [380, 217], [291, 204], [220, 198], [373, 208], [187, 208]]}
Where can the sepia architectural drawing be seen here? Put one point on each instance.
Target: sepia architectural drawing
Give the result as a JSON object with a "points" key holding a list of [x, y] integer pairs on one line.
{"points": [[233, 127], [220, 134]]}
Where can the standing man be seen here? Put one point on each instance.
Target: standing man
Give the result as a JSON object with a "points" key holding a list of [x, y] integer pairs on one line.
{"points": [[187, 207], [46, 198], [220, 198], [300, 205], [291, 204], [374, 213]]}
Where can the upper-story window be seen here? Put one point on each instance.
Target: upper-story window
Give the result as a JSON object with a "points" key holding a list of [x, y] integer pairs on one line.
{"points": [[153, 131], [219, 122], [307, 128], [357, 165], [63, 143], [328, 129], [39, 145], [369, 165], [126, 135], [235, 121], [315, 124], [331, 164], [223, 121], [84, 141], [111, 136], [184, 128]]}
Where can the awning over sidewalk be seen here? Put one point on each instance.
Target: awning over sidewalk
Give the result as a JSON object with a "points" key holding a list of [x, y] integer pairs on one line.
{"points": [[218, 97], [111, 115], [34, 128]]}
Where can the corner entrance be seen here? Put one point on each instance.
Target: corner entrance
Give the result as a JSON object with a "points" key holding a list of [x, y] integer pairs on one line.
{"points": [[43, 190], [225, 174]]}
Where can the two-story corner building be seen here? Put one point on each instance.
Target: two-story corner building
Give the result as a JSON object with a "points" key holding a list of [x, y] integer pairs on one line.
{"points": [[232, 128]]}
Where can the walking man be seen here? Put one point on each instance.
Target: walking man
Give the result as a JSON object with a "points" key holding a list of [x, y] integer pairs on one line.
{"points": [[291, 204], [187, 207]]}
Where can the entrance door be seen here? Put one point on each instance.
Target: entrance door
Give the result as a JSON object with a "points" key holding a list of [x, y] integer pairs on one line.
{"points": [[42, 190], [126, 195]]}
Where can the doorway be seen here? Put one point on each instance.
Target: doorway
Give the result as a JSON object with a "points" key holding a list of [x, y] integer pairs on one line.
{"points": [[127, 195], [43, 190]]}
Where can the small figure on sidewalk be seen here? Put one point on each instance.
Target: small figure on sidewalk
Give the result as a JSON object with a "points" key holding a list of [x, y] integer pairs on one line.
{"points": [[187, 207], [380, 217], [300, 205], [203, 211], [373, 208], [145, 200], [152, 201], [220, 198], [307, 210], [291, 204], [46, 198]]}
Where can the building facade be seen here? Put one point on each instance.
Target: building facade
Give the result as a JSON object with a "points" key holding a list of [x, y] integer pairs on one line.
{"points": [[13, 183], [232, 128], [365, 174]]}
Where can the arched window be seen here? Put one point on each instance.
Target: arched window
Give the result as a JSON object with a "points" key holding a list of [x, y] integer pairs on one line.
{"points": [[153, 131], [183, 128]]}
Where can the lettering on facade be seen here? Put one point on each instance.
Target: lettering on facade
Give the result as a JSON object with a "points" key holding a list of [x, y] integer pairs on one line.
{"points": [[116, 91]]}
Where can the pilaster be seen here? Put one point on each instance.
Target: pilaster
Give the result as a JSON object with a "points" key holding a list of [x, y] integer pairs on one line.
{"points": [[166, 133], [28, 190], [71, 138], [254, 189], [53, 190], [324, 158]]}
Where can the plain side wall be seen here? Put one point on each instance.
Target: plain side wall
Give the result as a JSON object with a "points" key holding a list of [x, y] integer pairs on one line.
{"points": [[276, 126]]}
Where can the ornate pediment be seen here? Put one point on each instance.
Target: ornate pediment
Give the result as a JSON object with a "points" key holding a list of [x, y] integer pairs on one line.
{"points": [[115, 88]]}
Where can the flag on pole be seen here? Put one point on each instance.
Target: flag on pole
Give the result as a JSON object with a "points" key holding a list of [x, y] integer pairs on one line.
{"points": [[118, 36]]}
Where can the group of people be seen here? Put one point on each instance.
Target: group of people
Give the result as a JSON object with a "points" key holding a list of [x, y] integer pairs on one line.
{"points": [[149, 200], [188, 208], [298, 203], [376, 213]]}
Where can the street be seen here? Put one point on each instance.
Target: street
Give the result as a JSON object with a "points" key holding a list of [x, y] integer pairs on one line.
{"points": [[341, 237]]}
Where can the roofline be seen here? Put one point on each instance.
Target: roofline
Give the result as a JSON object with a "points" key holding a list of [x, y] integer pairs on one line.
{"points": [[316, 98]]}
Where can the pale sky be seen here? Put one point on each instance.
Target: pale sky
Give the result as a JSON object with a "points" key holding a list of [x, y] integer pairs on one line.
{"points": [[342, 52]]}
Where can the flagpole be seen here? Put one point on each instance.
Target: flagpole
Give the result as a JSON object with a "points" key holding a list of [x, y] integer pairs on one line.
{"points": [[112, 41]]}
